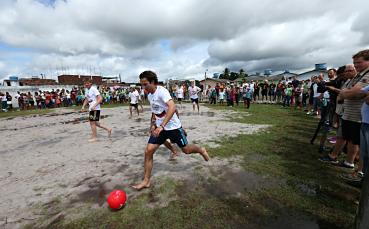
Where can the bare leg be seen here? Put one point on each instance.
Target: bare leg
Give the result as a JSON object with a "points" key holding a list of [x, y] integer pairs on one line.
{"points": [[360, 166], [138, 113], [94, 131], [198, 108], [130, 111], [189, 149], [149, 160], [105, 128], [340, 143], [353, 150], [171, 148]]}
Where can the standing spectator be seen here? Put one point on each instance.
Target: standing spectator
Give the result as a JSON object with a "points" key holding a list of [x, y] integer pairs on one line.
{"points": [[288, 94], [213, 96], [4, 104], [247, 97], [335, 83], [305, 95], [38, 100], [9, 101], [316, 95], [264, 90], [17, 96], [256, 90], [31, 102], [229, 97], [221, 96], [279, 91], [295, 83], [351, 119], [217, 89], [348, 73], [237, 94], [297, 93], [272, 90]]}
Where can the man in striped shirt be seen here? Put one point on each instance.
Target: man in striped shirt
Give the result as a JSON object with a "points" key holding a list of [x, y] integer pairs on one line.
{"points": [[351, 119]]}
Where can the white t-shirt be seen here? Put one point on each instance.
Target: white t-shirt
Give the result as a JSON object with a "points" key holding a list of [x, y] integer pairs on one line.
{"points": [[17, 96], [91, 96], [193, 92], [158, 103], [133, 96], [180, 93], [221, 95], [315, 90]]}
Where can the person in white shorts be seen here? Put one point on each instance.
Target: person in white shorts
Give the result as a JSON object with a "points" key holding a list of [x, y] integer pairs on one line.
{"points": [[194, 91], [133, 96], [94, 99]]}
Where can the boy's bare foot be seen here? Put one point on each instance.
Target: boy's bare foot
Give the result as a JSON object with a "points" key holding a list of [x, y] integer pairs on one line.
{"points": [[205, 154], [92, 140], [109, 132], [141, 186], [173, 155]]}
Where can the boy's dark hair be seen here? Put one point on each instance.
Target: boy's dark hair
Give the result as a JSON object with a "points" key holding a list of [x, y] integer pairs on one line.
{"points": [[341, 70], [332, 69], [150, 76], [364, 54]]}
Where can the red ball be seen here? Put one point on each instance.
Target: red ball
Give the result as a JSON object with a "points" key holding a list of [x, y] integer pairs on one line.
{"points": [[117, 199]]}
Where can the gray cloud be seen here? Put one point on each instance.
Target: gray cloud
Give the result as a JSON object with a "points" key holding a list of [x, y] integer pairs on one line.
{"points": [[126, 37]]}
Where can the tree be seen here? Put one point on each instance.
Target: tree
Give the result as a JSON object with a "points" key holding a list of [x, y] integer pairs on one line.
{"points": [[242, 73], [233, 76], [226, 73]]}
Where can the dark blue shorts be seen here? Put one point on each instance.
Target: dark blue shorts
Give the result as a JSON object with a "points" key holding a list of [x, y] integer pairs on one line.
{"points": [[195, 101], [94, 116], [176, 136]]}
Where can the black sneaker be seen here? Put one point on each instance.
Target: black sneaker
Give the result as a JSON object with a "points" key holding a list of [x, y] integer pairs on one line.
{"points": [[327, 158], [324, 150]]}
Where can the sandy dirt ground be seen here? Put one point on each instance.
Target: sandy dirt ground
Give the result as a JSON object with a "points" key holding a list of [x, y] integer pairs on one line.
{"points": [[46, 158]]}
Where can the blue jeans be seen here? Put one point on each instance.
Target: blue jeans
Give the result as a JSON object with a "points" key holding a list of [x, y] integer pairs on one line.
{"points": [[4, 105], [287, 100], [315, 104], [364, 146]]}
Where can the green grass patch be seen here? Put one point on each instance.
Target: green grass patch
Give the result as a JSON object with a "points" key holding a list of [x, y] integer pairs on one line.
{"points": [[283, 151]]}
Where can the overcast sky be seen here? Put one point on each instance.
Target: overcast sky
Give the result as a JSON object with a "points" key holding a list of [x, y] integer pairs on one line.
{"points": [[179, 38]]}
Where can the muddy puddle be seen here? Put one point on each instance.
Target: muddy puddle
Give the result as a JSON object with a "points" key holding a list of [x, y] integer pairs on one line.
{"points": [[95, 194], [292, 221]]}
